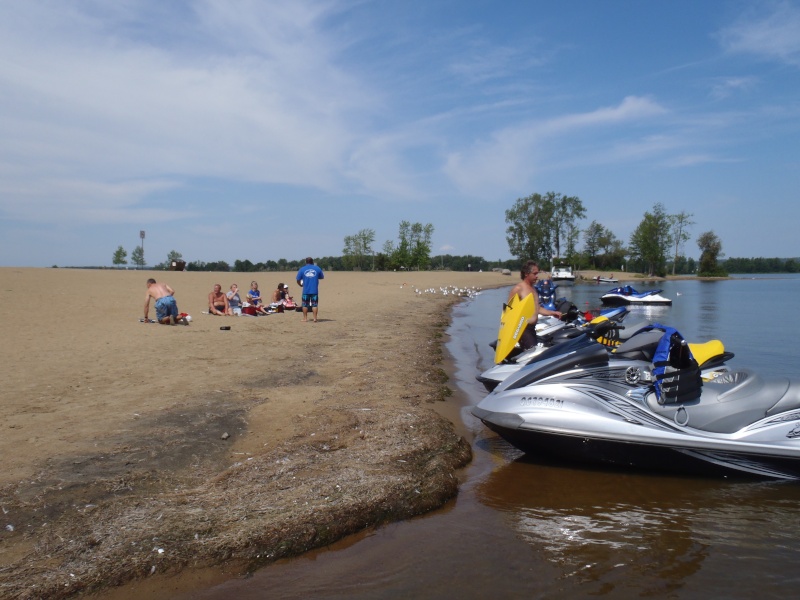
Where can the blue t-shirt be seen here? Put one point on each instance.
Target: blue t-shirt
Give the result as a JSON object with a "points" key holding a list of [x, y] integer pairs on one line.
{"points": [[310, 276]]}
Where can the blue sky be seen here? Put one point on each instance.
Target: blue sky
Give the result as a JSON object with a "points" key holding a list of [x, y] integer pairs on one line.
{"points": [[262, 130]]}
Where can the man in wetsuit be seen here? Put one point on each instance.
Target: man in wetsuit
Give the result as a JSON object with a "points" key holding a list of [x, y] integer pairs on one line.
{"points": [[529, 275], [166, 308]]}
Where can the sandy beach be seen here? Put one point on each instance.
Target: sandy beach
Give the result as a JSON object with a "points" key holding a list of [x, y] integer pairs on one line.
{"points": [[133, 451]]}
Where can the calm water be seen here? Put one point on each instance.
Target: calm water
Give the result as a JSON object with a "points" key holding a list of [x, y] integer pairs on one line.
{"points": [[521, 528]]}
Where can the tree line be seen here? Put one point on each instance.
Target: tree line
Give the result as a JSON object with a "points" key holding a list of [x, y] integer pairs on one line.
{"points": [[762, 265], [546, 228]]}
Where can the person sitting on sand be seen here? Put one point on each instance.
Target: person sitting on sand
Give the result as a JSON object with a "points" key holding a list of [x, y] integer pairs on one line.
{"points": [[166, 307], [218, 302], [285, 299], [234, 300], [279, 294], [254, 298]]}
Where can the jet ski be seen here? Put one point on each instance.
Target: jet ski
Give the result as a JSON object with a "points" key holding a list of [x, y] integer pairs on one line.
{"points": [[650, 410], [551, 337], [547, 293], [627, 295]]}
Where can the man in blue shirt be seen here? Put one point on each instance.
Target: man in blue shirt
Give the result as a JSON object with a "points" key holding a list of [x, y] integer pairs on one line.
{"points": [[308, 276]]}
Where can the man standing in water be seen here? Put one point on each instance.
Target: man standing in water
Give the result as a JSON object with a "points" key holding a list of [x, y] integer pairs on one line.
{"points": [[529, 274], [309, 276], [166, 308]]}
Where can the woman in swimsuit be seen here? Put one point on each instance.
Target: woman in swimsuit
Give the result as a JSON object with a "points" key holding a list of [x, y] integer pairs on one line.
{"points": [[280, 294], [234, 300]]}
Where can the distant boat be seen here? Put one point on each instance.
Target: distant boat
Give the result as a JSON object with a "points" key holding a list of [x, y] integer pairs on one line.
{"points": [[627, 295], [611, 279], [563, 275]]}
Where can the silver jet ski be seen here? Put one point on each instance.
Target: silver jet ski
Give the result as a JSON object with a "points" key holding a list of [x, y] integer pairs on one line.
{"points": [[551, 338], [663, 413]]}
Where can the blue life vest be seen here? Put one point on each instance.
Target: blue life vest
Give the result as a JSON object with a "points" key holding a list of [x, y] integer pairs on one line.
{"points": [[676, 371]]}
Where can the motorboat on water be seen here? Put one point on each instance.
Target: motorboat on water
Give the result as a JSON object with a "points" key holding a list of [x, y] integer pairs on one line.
{"points": [[611, 279], [651, 410], [626, 295], [562, 274]]}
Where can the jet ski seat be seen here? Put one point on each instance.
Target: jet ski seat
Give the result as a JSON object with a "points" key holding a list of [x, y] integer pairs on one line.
{"points": [[732, 401]]}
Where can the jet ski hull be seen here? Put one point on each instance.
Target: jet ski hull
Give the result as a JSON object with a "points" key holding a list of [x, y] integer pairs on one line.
{"points": [[585, 448], [626, 295], [620, 300], [578, 407]]}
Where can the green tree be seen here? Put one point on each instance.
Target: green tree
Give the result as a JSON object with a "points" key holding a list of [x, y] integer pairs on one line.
{"points": [[413, 247], [358, 249], [402, 254], [137, 257], [528, 234], [382, 262], [651, 240], [538, 224], [573, 236], [710, 252], [120, 256], [591, 241], [388, 252], [420, 245], [601, 247], [566, 211], [243, 266], [680, 225]]}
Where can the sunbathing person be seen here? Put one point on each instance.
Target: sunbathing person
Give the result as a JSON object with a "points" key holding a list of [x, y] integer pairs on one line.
{"points": [[281, 295], [218, 302], [254, 298], [234, 300]]}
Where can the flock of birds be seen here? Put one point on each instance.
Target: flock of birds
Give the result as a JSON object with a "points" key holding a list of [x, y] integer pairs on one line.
{"points": [[450, 290]]}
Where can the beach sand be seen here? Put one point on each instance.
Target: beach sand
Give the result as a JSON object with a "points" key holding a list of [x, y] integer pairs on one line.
{"points": [[135, 450], [132, 451]]}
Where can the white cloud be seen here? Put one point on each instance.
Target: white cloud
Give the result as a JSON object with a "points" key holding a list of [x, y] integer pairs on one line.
{"points": [[508, 159], [724, 87], [774, 35], [90, 99]]}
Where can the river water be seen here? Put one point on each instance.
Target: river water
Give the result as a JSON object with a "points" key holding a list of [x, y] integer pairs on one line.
{"points": [[523, 528]]}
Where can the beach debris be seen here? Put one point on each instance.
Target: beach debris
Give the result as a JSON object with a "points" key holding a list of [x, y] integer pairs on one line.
{"points": [[225, 436]]}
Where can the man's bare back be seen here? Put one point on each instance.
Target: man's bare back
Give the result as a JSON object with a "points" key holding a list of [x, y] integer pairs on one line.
{"points": [[158, 290]]}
